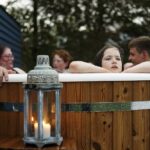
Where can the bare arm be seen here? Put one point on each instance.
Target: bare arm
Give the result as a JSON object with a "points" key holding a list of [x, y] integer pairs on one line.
{"points": [[127, 65], [83, 67], [140, 68]]}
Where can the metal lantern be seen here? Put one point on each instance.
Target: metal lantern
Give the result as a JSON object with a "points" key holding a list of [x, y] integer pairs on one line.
{"points": [[42, 105]]}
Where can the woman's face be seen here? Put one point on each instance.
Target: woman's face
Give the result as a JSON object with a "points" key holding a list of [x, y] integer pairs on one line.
{"points": [[58, 63], [112, 60], [7, 59]]}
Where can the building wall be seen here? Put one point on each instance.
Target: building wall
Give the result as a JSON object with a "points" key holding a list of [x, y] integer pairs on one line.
{"points": [[10, 34]]}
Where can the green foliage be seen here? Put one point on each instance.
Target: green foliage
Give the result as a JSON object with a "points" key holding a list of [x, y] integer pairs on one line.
{"points": [[81, 26]]}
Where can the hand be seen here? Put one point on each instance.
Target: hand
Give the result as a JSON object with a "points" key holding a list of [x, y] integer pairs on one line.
{"points": [[11, 72], [3, 73]]}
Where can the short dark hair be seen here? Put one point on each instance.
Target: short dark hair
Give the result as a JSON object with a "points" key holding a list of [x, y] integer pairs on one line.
{"points": [[140, 43], [100, 53]]}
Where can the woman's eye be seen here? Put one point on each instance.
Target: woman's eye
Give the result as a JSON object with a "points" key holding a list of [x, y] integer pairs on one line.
{"points": [[107, 58], [118, 58]]}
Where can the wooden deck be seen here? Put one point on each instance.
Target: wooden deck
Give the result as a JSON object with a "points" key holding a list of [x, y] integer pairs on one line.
{"points": [[17, 144]]}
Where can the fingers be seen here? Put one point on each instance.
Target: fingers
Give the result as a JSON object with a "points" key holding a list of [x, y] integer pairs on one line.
{"points": [[11, 72], [4, 73]]}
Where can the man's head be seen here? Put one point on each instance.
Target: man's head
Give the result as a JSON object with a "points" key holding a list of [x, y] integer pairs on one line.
{"points": [[139, 49]]}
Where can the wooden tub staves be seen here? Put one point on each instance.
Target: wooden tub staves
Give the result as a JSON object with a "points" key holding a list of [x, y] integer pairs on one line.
{"points": [[99, 111]]}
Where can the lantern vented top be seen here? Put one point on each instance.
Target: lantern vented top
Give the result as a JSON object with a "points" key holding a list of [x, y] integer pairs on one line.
{"points": [[43, 72]]}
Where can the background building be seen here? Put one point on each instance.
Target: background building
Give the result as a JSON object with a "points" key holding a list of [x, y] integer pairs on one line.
{"points": [[10, 34]]}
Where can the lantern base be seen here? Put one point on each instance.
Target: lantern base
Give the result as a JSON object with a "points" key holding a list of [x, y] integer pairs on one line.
{"points": [[40, 143], [16, 143]]}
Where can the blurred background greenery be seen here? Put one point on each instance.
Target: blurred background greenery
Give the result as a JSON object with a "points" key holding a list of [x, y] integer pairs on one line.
{"points": [[80, 26]]}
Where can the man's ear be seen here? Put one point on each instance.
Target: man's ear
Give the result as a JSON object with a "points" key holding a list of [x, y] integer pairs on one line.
{"points": [[145, 55]]}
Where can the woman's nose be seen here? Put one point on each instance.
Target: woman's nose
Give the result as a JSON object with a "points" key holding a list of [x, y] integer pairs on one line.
{"points": [[114, 60]]}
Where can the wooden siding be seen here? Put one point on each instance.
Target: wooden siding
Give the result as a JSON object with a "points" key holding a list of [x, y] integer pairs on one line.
{"points": [[10, 34]]}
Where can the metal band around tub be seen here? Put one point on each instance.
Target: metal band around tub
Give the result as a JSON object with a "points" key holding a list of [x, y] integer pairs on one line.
{"points": [[86, 107], [11, 107], [106, 106]]}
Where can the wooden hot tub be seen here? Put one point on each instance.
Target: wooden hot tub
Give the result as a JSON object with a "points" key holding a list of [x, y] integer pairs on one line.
{"points": [[100, 111]]}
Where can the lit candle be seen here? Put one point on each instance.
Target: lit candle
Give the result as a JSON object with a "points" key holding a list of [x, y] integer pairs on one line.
{"points": [[36, 129], [46, 129]]}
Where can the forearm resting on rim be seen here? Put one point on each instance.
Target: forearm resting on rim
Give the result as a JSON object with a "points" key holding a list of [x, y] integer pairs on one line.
{"points": [[83, 67]]}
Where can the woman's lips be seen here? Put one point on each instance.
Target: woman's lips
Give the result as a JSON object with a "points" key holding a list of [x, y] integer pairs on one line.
{"points": [[114, 67]]}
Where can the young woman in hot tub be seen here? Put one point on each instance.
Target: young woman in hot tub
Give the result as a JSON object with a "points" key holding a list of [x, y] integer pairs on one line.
{"points": [[108, 59]]}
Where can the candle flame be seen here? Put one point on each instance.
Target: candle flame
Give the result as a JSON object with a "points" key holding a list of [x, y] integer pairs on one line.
{"points": [[32, 119]]}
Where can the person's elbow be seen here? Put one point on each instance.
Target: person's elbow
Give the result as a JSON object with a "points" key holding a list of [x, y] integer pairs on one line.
{"points": [[74, 67]]}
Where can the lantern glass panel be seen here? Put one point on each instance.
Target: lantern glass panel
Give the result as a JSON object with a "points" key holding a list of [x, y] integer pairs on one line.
{"points": [[48, 115], [49, 110]]}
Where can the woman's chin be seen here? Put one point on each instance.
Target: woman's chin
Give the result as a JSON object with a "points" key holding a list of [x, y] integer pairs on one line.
{"points": [[117, 70]]}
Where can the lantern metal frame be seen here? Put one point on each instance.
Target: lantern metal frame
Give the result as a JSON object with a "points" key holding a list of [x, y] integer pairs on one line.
{"points": [[42, 79], [40, 89]]}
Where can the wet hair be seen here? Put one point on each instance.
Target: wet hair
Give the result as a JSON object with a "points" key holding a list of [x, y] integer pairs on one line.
{"points": [[100, 53], [64, 54], [141, 43]]}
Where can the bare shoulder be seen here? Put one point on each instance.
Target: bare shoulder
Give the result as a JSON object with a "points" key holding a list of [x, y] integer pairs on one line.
{"points": [[143, 67]]}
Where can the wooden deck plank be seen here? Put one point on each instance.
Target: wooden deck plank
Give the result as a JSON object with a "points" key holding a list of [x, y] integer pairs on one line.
{"points": [[17, 143]]}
